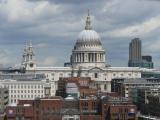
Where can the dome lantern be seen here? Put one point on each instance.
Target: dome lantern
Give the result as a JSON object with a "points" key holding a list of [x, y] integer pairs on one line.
{"points": [[88, 22]]}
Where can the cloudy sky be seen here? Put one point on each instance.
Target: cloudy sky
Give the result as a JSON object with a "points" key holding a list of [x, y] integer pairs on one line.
{"points": [[53, 27]]}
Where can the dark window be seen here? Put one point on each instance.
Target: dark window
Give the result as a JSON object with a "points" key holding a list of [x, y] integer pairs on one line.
{"points": [[105, 86], [96, 75]]}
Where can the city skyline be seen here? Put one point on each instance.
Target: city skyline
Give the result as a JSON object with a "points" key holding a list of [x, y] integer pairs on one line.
{"points": [[53, 27]]}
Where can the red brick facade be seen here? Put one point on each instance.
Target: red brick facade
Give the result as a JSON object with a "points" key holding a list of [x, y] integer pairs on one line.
{"points": [[106, 108]]}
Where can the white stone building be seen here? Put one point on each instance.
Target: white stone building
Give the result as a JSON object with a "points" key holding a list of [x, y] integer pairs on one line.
{"points": [[27, 89]]}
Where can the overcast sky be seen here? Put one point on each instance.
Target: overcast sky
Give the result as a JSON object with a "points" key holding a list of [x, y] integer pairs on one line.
{"points": [[53, 27]]}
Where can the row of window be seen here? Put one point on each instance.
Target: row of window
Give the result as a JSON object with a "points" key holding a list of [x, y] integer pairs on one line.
{"points": [[60, 75], [123, 74], [25, 96], [96, 74], [24, 86], [26, 91]]}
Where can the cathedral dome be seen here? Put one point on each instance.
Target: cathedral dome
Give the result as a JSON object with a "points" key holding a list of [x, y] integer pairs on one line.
{"points": [[88, 38], [88, 50]]}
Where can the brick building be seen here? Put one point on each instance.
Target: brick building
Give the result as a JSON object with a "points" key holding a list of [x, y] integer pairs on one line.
{"points": [[117, 108], [76, 86], [69, 108]]}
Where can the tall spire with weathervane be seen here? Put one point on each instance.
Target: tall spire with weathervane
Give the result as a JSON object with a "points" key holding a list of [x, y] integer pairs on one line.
{"points": [[88, 22]]}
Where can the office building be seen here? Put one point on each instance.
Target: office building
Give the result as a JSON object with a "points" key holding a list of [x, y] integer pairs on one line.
{"points": [[135, 49], [125, 86], [135, 55], [147, 62]]}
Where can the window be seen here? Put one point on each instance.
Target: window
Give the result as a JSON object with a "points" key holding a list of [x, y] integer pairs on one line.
{"points": [[114, 74], [129, 74], [121, 75], [96, 75], [52, 74], [69, 74], [61, 74], [105, 87], [86, 74], [126, 110]]}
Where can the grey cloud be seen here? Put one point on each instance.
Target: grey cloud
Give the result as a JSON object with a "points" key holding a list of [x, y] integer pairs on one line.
{"points": [[67, 1], [59, 29]]}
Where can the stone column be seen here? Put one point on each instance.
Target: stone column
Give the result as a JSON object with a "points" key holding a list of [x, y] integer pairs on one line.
{"points": [[81, 57], [89, 56], [78, 57], [103, 57], [75, 57], [92, 57], [95, 57]]}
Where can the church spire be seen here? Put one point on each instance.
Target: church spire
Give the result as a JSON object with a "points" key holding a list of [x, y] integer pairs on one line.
{"points": [[88, 22], [28, 62]]}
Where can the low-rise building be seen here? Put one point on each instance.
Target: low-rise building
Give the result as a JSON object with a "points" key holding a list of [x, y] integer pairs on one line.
{"points": [[152, 107], [70, 108], [4, 99], [125, 86], [147, 100], [76, 87], [118, 108], [27, 87]]}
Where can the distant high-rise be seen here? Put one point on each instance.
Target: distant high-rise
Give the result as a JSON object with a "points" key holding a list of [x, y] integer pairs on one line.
{"points": [[135, 49], [135, 56]]}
